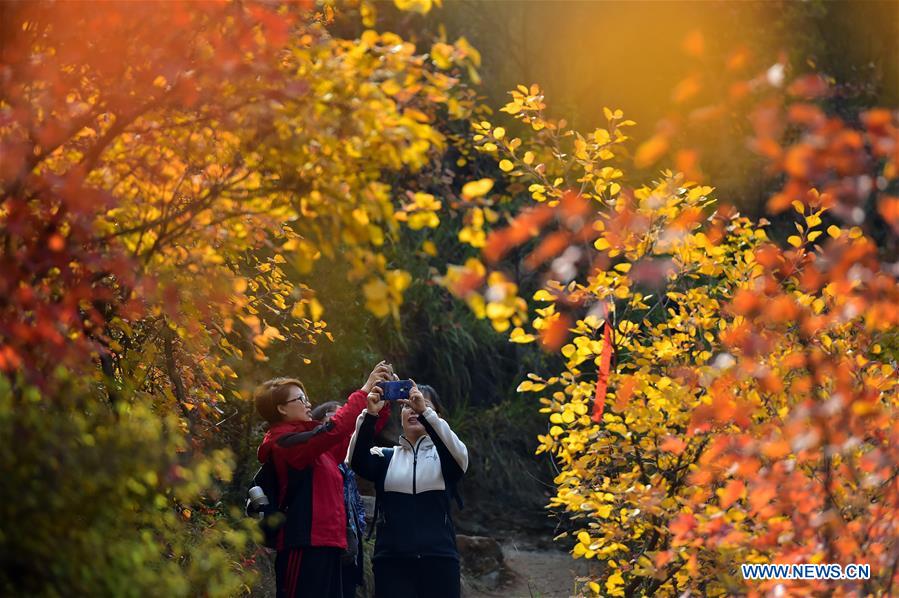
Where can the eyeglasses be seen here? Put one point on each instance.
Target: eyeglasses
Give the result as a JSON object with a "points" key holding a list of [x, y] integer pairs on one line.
{"points": [[303, 399]]}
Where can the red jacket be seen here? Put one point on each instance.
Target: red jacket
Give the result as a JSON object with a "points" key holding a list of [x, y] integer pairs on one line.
{"points": [[305, 455]]}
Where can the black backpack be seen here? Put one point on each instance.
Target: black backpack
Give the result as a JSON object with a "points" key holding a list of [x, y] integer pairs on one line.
{"points": [[273, 515], [272, 518]]}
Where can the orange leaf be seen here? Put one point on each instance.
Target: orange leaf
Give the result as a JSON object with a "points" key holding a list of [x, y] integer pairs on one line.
{"points": [[808, 86], [694, 43], [549, 248], [731, 493], [781, 309], [745, 302], [877, 120], [56, 242], [761, 497], [650, 151], [687, 162], [888, 208], [681, 525], [776, 449], [555, 334], [672, 444], [625, 392], [799, 160], [686, 89], [574, 205], [663, 557], [807, 115], [737, 59]]}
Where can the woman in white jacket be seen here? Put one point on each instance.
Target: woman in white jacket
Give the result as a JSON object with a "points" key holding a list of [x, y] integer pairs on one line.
{"points": [[415, 550]]}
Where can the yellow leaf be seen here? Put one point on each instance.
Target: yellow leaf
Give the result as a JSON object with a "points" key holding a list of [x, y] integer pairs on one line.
{"points": [[794, 241], [528, 158], [441, 54], [399, 281], [511, 108], [814, 235], [833, 231], [518, 336], [420, 6], [315, 309], [477, 188], [499, 132], [424, 201], [614, 584], [299, 310], [506, 165]]}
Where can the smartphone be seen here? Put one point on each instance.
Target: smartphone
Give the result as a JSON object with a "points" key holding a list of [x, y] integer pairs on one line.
{"points": [[395, 390]]}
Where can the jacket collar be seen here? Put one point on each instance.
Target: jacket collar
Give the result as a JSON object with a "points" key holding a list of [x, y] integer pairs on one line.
{"points": [[423, 441]]}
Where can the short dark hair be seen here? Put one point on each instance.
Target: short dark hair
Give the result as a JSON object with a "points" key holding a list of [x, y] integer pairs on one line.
{"points": [[430, 394], [320, 411], [272, 393]]}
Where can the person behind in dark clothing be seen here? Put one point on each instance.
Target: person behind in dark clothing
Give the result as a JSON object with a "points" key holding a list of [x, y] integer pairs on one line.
{"points": [[415, 550], [352, 573], [305, 454]]}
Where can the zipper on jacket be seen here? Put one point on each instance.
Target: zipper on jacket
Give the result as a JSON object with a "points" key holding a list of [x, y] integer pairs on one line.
{"points": [[414, 459]]}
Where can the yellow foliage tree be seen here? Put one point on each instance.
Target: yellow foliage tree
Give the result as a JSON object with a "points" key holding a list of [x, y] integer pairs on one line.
{"points": [[689, 457]]}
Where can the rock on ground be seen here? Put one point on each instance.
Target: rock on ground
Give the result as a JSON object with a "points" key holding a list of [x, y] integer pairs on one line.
{"points": [[543, 573]]}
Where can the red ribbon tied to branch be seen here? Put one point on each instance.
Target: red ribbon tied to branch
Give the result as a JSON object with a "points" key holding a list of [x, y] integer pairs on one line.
{"points": [[602, 382]]}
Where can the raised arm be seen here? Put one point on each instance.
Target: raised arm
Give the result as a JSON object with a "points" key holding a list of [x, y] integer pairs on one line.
{"points": [[370, 466], [302, 448], [359, 455], [452, 451], [339, 450], [334, 436]]}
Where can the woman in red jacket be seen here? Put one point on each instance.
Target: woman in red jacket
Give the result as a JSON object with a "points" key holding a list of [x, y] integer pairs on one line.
{"points": [[305, 453]]}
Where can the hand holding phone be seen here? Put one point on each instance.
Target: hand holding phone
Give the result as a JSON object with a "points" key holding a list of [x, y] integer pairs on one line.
{"points": [[395, 390]]}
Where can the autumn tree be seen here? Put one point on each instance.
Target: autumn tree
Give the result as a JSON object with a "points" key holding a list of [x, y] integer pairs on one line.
{"points": [[170, 178], [724, 400]]}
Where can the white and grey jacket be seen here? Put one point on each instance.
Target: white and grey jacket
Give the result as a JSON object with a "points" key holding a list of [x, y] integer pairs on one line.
{"points": [[414, 484]]}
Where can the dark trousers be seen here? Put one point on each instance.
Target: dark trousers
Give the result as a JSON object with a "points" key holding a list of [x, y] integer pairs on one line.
{"points": [[425, 577], [308, 572], [349, 574]]}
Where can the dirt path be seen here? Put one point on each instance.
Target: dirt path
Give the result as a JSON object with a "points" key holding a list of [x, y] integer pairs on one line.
{"points": [[538, 573]]}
